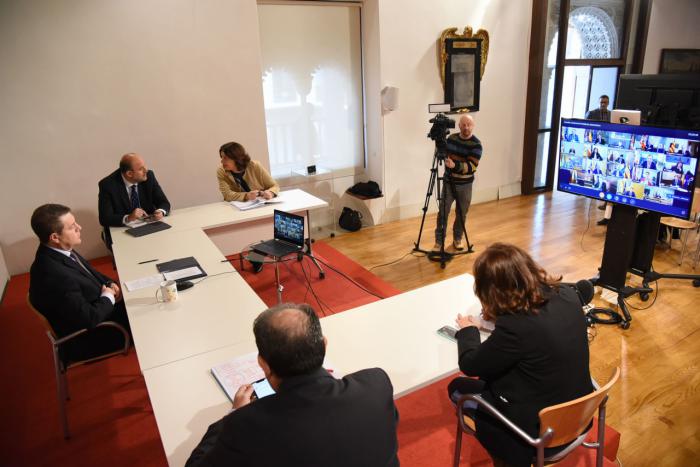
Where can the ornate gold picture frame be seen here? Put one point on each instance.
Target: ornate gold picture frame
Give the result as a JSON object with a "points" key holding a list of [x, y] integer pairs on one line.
{"points": [[462, 62]]}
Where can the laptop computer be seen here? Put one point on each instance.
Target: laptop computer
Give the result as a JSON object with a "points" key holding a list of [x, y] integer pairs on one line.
{"points": [[289, 236], [149, 228]]}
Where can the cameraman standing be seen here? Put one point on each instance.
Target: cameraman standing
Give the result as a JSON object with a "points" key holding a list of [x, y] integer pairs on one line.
{"points": [[461, 171]]}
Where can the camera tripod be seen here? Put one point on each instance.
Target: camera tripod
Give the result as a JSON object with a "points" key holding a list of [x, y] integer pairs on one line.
{"points": [[437, 182]]}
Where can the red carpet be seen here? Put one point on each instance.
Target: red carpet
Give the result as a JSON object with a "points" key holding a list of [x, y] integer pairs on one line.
{"points": [[428, 426], [110, 414], [302, 284]]}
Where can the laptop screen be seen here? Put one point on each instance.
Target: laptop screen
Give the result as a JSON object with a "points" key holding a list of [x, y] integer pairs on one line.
{"points": [[289, 227]]}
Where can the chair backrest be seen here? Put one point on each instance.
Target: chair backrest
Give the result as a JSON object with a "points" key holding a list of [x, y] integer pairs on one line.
{"points": [[42, 319], [695, 208], [569, 419]]}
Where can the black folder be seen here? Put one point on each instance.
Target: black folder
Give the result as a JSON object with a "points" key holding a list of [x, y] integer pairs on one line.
{"points": [[150, 228], [181, 263]]}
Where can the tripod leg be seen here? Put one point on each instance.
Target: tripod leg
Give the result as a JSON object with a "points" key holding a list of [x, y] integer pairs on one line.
{"points": [[280, 287], [445, 200], [428, 194], [310, 254], [321, 272]]}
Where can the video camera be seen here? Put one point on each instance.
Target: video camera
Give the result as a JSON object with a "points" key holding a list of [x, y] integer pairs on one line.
{"points": [[440, 129]]}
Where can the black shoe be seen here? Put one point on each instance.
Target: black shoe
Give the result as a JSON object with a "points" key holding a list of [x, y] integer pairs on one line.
{"points": [[603, 221], [257, 266]]}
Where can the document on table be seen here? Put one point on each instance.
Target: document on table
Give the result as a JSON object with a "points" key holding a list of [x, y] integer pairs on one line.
{"points": [[245, 370], [180, 273], [256, 203], [237, 372], [144, 282]]}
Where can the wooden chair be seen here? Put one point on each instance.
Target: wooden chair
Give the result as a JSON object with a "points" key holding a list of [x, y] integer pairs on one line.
{"points": [[561, 424], [685, 227], [62, 363]]}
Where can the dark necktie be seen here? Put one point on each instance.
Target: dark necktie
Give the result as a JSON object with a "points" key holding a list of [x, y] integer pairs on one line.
{"points": [[75, 258], [134, 198]]}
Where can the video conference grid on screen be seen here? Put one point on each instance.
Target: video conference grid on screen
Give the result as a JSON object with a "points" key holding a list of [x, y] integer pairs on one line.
{"points": [[289, 227], [645, 167]]}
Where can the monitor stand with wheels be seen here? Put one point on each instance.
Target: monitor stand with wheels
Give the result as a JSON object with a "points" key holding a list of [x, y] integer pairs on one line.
{"points": [[629, 247], [641, 263]]}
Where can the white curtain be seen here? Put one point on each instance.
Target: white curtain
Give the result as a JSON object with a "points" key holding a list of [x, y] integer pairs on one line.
{"points": [[312, 86]]}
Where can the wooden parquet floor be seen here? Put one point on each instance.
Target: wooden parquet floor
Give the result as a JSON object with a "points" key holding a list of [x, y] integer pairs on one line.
{"points": [[656, 403]]}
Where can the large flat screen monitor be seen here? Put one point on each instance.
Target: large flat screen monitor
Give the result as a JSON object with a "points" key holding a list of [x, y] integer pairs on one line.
{"points": [[645, 167]]}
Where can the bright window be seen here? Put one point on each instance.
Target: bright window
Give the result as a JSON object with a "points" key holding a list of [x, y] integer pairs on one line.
{"points": [[312, 86]]}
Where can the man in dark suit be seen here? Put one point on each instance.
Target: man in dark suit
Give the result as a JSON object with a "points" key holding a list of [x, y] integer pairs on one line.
{"points": [[313, 419], [601, 113], [130, 193], [649, 164], [68, 291]]}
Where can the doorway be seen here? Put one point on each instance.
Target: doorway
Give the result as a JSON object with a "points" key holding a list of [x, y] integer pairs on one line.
{"points": [[577, 67]]}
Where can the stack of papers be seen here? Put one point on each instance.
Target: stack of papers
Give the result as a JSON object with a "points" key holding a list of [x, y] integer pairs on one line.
{"points": [[256, 203], [144, 282]]}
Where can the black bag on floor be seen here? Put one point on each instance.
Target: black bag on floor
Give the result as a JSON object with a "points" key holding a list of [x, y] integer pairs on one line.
{"points": [[350, 220]]}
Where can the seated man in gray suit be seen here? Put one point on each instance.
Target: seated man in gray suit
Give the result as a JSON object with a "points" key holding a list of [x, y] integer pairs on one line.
{"points": [[313, 419]]}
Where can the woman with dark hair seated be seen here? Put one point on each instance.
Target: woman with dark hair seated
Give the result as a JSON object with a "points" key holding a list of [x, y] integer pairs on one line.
{"points": [[536, 356], [243, 179]]}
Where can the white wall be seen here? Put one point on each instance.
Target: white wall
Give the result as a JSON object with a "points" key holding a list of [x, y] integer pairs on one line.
{"points": [[83, 82], [408, 35], [4, 274], [673, 24]]}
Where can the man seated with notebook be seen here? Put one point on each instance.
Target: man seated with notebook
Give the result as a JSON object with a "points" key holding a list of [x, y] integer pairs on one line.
{"points": [[312, 419], [130, 193], [68, 291]]}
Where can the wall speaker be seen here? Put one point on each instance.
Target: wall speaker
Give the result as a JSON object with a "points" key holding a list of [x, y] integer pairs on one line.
{"points": [[390, 98]]}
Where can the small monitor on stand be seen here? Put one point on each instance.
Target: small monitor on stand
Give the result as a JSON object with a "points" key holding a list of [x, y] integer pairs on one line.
{"points": [[627, 117]]}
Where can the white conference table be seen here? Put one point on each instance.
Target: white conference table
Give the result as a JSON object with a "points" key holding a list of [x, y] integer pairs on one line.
{"points": [[217, 311], [223, 214], [229, 228], [211, 323], [397, 334], [205, 317]]}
